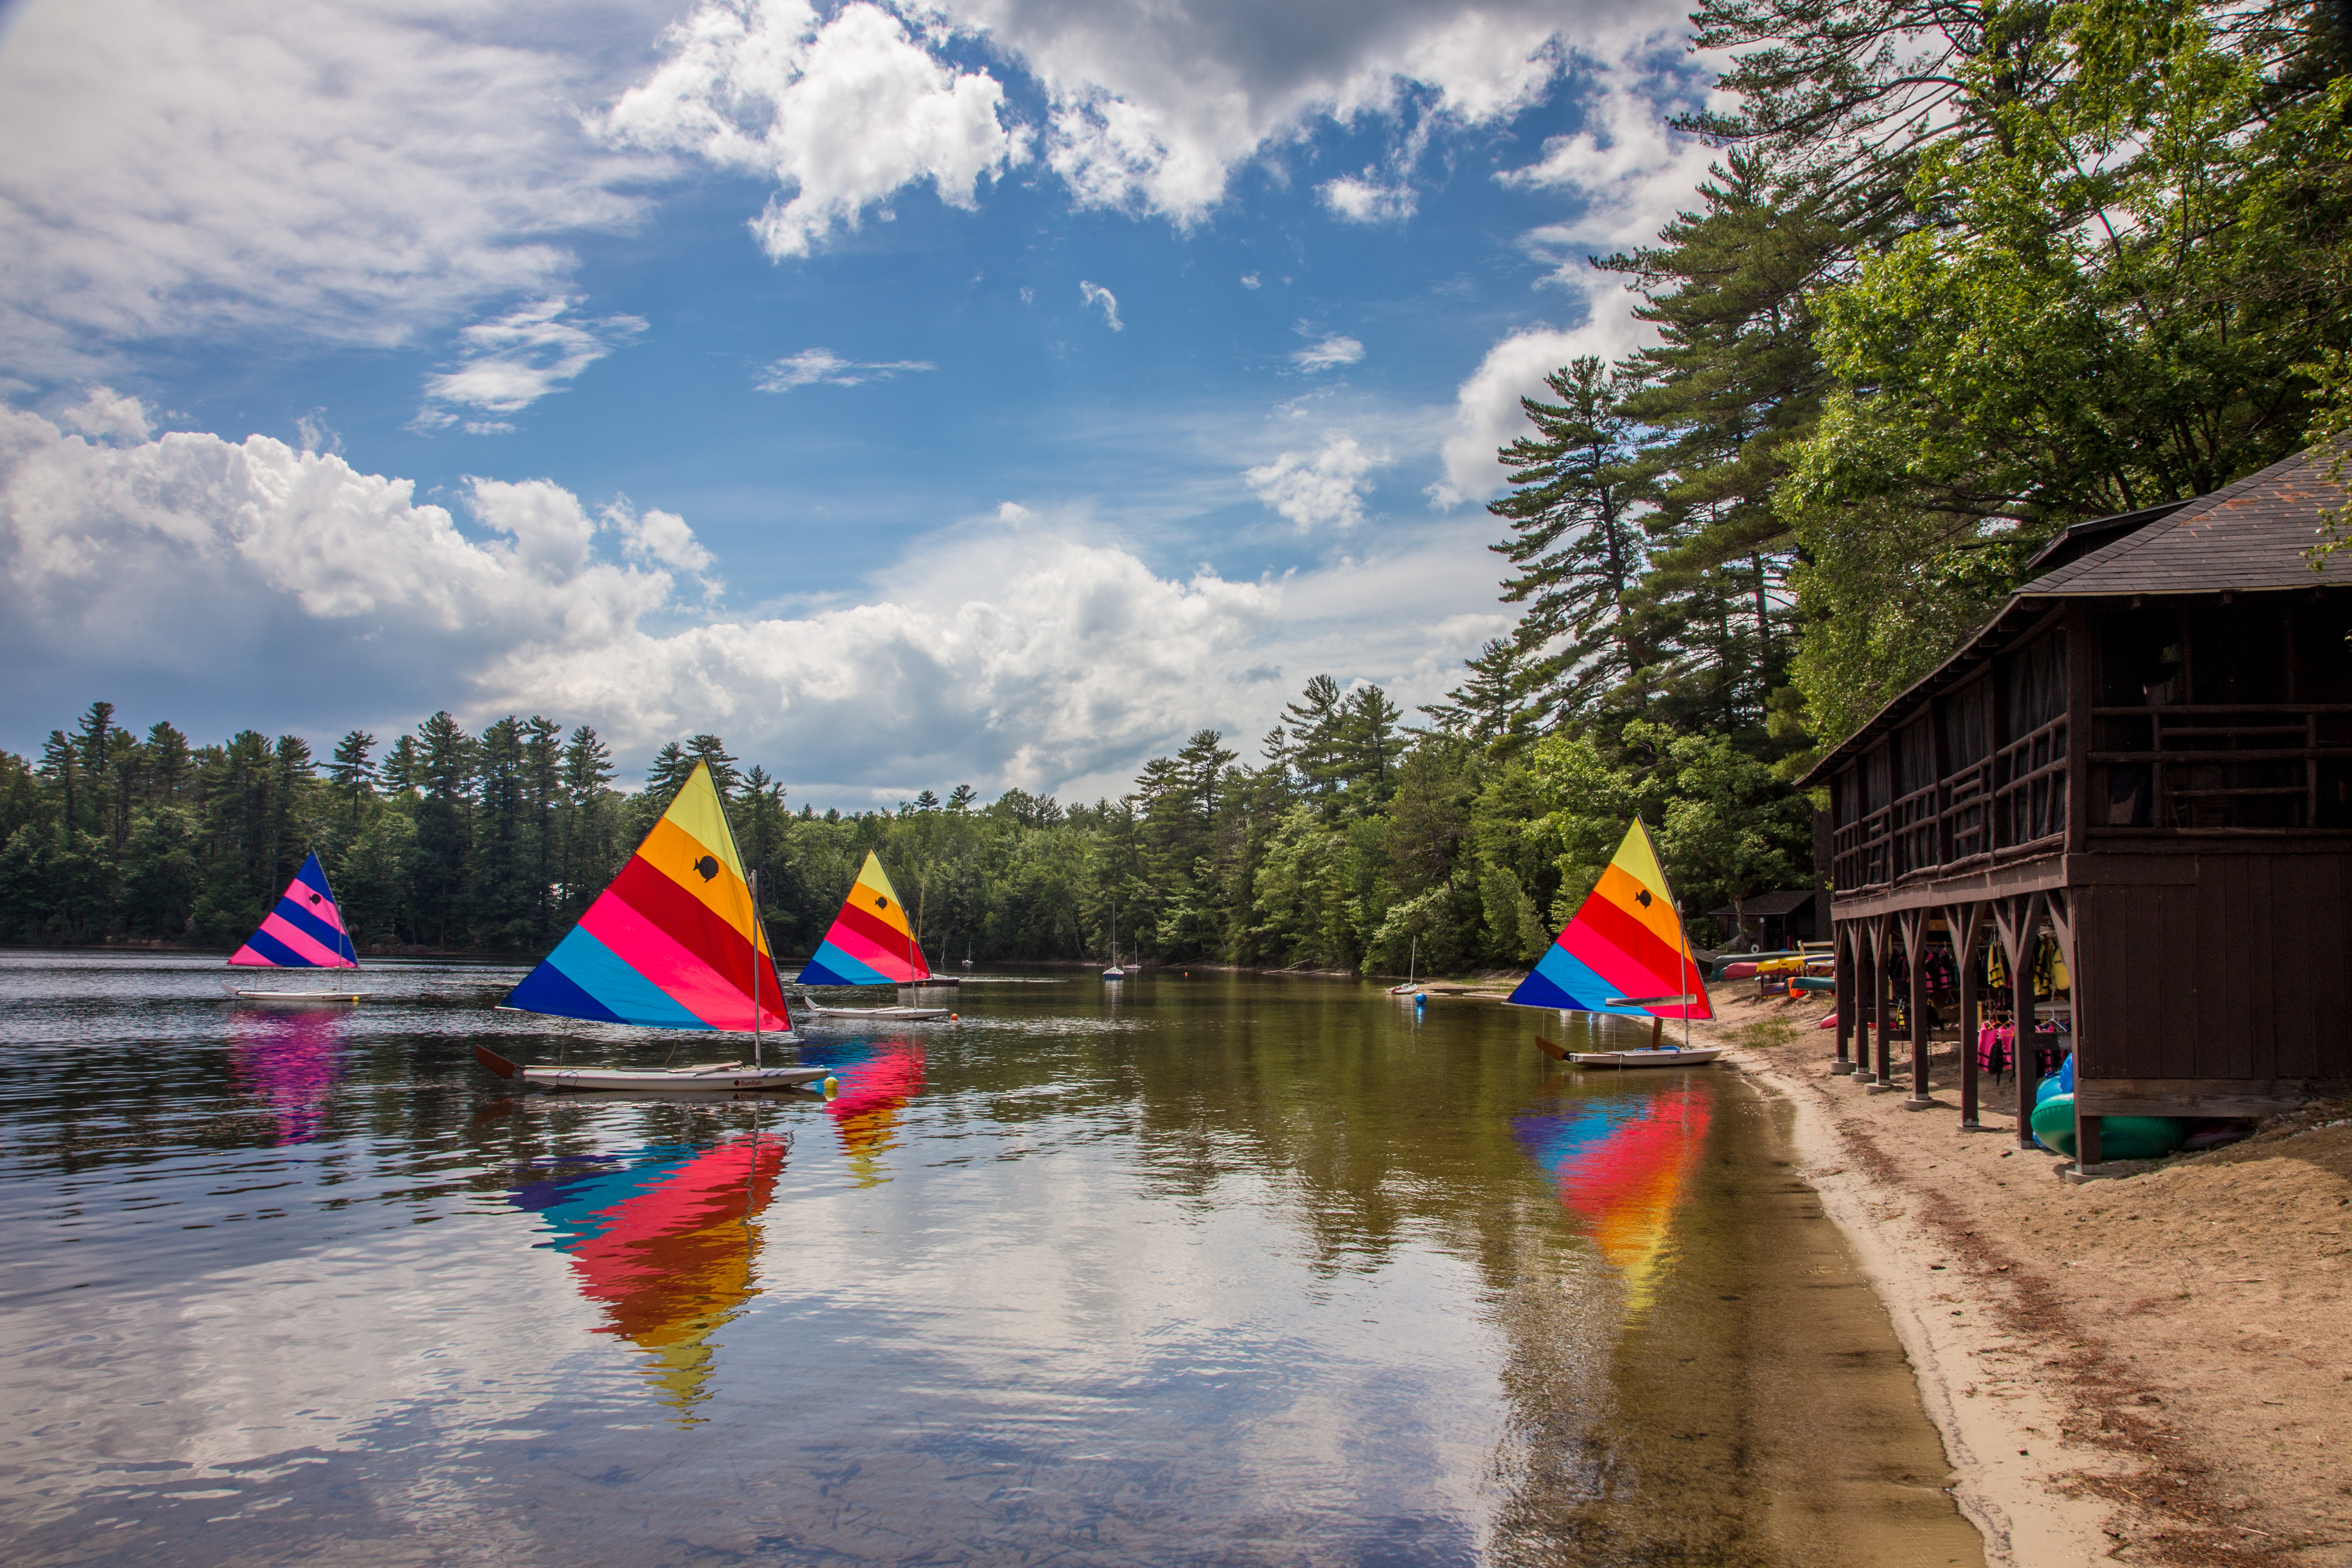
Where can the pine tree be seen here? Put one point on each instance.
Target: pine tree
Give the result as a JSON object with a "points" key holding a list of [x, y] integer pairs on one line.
{"points": [[1574, 508], [353, 777]]}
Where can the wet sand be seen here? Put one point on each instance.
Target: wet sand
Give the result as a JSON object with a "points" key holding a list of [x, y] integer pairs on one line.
{"points": [[2150, 1369]]}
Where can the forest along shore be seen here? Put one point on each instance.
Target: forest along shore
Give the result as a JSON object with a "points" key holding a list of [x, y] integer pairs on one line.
{"points": [[2147, 1369]]}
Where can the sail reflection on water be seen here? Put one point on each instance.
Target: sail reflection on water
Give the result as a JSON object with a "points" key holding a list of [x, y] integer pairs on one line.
{"points": [[663, 1239], [1624, 1166], [874, 1091], [289, 1061]]}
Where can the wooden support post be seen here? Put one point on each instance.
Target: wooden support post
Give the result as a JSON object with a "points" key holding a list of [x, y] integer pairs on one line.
{"points": [[1915, 944], [2062, 909], [1848, 1003], [1883, 940], [1967, 924], [2027, 1054]]}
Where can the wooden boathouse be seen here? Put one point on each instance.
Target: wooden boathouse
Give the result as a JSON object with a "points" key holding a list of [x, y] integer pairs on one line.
{"points": [[2134, 782]]}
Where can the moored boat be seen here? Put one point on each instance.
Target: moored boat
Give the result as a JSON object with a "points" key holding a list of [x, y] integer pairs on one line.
{"points": [[674, 942], [1625, 955], [304, 929]]}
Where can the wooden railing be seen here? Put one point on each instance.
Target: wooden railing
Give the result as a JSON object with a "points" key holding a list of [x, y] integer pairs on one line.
{"points": [[2012, 802], [2256, 766]]}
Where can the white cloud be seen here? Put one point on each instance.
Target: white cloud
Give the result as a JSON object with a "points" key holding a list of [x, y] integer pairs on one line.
{"points": [[842, 112], [356, 172], [1094, 294], [1486, 412], [508, 362], [1633, 170], [1153, 103], [1251, 280], [1330, 352], [823, 367], [1019, 650], [1367, 201], [1321, 489], [108, 414]]}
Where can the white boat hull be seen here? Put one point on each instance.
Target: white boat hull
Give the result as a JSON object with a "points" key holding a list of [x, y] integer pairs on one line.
{"points": [[1697, 1057], [889, 1015], [713, 1078], [296, 996]]}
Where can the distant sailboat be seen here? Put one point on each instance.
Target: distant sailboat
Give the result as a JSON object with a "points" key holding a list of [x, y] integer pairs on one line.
{"points": [[676, 942], [1624, 954], [1410, 964], [1114, 971], [871, 943], [303, 930]]}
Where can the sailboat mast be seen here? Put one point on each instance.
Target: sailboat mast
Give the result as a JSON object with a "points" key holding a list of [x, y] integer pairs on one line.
{"points": [[755, 990]]}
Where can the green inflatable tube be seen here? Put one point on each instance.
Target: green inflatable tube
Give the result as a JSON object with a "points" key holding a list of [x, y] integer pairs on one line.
{"points": [[2120, 1137]]}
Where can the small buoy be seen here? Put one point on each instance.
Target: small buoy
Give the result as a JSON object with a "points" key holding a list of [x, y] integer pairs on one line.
{"points": [[955, 1018], [832, 1086]]}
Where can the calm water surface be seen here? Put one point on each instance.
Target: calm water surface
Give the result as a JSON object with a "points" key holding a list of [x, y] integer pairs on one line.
{"points": [[1219, 1269]]}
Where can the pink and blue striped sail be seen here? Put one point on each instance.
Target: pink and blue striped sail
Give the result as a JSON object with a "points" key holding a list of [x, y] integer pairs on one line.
{"points": [[304, 931]]}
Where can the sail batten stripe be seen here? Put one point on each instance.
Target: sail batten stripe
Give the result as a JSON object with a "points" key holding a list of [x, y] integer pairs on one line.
{"points": [[882, 933], [687, 921], [654, 952], [616, 984], [263, 950], [830, 967], [325, 933], [870, 954], [314, 953]]}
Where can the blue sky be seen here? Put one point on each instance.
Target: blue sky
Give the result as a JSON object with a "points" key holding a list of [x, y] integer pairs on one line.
{"points": [[991, 392]]}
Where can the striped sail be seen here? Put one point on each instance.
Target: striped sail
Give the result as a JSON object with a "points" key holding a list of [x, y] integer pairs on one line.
{"points": [[671, 942], [870, 942], [1626, 942], [304, 931]]}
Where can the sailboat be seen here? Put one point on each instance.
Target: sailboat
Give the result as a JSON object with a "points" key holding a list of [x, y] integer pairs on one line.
{"points": [[1624, 954], [1407, 988], [674, 942], [303, 930], [870, 944], [1114, 971]]}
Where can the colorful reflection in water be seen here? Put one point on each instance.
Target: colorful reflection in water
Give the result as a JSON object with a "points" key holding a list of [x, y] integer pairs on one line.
{"points": [[288, 1061], [874, 1088], [1623, 1164], [663, 1239]]}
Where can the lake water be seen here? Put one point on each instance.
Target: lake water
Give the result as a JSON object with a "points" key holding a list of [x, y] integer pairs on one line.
{"points": [[1213, 1269]]}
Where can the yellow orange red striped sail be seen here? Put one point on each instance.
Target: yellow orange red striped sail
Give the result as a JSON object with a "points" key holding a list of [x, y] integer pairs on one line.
{"points": [[871, 941], [1625, 942], [673, 942]]}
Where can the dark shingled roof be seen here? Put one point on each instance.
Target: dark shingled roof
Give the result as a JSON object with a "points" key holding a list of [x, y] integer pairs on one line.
{"points": [[2249, 537], [1763, 904]]}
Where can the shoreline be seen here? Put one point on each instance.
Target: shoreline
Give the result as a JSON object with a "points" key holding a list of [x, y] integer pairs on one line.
{"points": [[2108, 1386]]}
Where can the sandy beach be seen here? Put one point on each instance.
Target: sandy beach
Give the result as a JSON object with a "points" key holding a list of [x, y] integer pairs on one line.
{"points": [[2151, 1368]]}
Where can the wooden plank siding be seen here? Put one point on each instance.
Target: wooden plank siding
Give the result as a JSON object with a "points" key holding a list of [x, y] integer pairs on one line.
{"points": [[2243, 975]]}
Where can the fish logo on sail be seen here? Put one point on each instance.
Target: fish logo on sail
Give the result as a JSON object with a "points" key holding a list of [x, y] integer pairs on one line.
{"points": [[1625, 943], [870, 942], [673, 943], [303, 930]]}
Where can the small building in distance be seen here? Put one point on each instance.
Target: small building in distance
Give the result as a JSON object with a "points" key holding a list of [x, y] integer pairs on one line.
{"points": [[2140, 769], [1770, 921]]}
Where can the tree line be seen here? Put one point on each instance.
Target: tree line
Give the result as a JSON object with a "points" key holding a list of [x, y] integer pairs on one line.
{"points": [[1352, 840], [1964, 273]]}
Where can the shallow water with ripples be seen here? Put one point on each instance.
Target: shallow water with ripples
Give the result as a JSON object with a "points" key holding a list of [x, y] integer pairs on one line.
{"points": [[1195, 1269]]}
